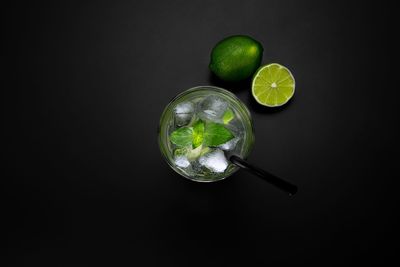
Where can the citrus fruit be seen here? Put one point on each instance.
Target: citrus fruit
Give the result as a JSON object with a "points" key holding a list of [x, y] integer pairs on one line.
{"points": [[236, 58], [273, 85]]}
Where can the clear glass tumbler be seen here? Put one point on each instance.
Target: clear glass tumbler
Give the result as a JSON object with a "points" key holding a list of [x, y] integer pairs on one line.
{"points": [[215, 108]]}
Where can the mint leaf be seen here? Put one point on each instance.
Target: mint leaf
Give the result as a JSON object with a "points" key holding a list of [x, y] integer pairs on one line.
{"points": [[216, 134], [182, 136], [228, 116], [198, 133]]}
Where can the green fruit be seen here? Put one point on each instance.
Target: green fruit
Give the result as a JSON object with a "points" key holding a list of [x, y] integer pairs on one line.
{"points": [[236, 58], [273, 85]]}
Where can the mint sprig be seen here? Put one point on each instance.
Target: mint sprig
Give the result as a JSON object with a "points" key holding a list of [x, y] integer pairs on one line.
{"points": [[208, 134]]}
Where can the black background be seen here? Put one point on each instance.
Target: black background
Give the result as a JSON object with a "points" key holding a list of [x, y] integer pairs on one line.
{"points": [[84, 86]]}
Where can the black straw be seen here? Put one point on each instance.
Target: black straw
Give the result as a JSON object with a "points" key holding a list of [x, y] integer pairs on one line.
{"points": [[282, 184]]}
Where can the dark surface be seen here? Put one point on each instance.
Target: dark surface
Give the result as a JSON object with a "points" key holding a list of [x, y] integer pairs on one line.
{"points": [[85, 184]]}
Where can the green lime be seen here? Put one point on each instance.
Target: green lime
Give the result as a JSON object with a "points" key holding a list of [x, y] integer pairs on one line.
{"points": [[273, 85], [236, 58]]}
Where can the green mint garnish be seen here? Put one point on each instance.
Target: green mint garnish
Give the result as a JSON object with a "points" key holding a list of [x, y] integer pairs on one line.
{"points": [[228, 116], [182, 136], [216, 134], [199, 137], [198, 133]]}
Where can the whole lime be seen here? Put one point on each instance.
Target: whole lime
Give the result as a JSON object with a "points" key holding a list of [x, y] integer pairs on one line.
{"points": [[236, 58]]}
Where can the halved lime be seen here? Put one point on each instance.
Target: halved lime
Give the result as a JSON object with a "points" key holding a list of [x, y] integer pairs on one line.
{"points": [[273, 85]]}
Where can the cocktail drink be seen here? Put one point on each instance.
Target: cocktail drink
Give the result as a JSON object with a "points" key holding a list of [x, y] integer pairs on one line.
{"points": [[201, 128]]}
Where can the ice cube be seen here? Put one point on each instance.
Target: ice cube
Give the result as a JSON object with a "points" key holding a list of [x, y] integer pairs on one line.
{"points": [[230, 145], [212, 108], [185, 108], [182, 161], [214, 161], [182, 119], [183, 113]]}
